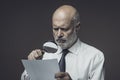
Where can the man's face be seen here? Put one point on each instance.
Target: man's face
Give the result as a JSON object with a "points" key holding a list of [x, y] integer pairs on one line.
{"points": [[64, 32]]}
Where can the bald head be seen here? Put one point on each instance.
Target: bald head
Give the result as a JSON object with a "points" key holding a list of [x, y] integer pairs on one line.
{"points": [[66, 13]]}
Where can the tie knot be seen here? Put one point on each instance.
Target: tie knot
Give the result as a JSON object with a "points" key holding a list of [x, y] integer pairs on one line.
{"points": [[65, 51]]}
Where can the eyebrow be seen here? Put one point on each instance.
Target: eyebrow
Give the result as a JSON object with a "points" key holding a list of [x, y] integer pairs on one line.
{"points": [[64, 29]]}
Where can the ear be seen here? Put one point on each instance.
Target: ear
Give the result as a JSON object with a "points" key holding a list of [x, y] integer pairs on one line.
{"points": [[77, 27]]}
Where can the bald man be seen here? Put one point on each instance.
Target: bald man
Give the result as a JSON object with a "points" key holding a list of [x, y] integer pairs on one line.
{"points": [[82, 61]]}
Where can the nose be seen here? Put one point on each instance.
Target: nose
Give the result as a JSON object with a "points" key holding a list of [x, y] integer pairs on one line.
{"points": [[60, 33]]}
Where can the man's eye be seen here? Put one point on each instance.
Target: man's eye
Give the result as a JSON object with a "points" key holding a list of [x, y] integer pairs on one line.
{"points": [[65, 29], [56, 29]]}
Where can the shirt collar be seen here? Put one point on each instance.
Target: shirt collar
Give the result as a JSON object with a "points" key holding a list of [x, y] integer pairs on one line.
{"points": [[75, 47]]}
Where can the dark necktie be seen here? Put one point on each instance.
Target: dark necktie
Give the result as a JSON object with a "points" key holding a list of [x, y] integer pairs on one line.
{"points": [[62, 63]]}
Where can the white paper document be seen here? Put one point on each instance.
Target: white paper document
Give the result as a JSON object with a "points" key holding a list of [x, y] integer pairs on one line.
{"points": [[41, 69]]}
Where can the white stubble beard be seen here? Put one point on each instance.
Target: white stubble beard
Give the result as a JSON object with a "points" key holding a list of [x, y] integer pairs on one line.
{"points": [[70, 41]]}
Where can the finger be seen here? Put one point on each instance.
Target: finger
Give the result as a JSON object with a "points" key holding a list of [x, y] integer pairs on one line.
{"points": [[58, 79], [31, 58], [39, 52], [31, 55], [59, 75], [66, 73], [67, 76], [36, 55], [62, 76]]}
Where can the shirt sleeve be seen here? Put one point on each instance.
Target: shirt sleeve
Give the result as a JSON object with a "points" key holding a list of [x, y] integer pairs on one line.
{"points": [[25, 76], [97, 70]]}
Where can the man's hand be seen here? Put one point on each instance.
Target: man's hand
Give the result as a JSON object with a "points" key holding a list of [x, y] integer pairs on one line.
{"points": [[62, 76], [35, 54]]}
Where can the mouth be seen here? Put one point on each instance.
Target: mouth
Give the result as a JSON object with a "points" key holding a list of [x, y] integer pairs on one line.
{"points": [[61, 40]]}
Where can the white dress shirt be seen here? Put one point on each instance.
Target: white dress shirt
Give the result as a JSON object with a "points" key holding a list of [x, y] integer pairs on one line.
{"points": [[83, 62]]}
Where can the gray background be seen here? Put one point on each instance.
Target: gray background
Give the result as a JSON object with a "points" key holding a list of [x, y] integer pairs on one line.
{"points": [[26, 25]]}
